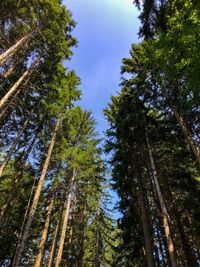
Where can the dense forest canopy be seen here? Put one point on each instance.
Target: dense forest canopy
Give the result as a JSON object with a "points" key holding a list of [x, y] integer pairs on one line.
{"points": [[55, 184]]}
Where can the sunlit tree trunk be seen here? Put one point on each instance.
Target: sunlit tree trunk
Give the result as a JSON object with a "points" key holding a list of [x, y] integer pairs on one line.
{"points": [[55, 238], [13, 146], [40, 254], [166, 219], [65, 222], [14, 88], [72, 220], [20, 249], [14, 48]]}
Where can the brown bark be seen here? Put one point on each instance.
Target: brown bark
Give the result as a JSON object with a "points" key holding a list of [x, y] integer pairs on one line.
{"points": [[55, 238], [8, 72], [20, 249], [145, 228], [65, 222], [40, 254], [14, 88], [13, 146], [166, 218], [14, 48], [73, 218]]}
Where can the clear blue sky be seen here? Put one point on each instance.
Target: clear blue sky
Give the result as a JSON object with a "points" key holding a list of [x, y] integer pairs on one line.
{"points": [[105, 31]]}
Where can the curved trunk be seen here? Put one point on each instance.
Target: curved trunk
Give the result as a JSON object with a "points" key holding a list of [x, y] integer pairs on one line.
{"points": [[166, 219], [20, 249], [65, 222]]}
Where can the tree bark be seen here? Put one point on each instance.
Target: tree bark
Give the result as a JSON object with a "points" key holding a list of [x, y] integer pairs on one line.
{"points": [[14, 144], [55, 239], [166, 219], [73, 217], [40, 254], [20, 249], [14, 48], [144, 220], [14, 88], [65, 222], [189, 254], [17, 179]]}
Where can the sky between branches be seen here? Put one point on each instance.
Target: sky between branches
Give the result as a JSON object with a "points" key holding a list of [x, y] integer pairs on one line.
{"points": [[105, 31]]}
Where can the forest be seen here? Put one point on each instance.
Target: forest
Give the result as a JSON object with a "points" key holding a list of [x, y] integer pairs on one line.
{"points": [[57, 174]]}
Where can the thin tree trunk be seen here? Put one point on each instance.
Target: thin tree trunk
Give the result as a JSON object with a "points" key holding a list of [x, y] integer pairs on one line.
{"points": [[12, 100], [40, 254], [20, 249], [144, 220], [166, 219], [14, 144], [17, 179], [190, 257], [65, 222], [72, 221], [8, 72], [82, 235], [14, 88], [188, 136], [55, 238], [14, 48]]}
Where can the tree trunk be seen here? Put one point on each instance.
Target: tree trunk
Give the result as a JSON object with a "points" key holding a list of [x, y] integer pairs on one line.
{"points": [[144, 220], [6, 108], [20, 249], [14, 144], [191, 142], [40, 254], [72, 221], [55, 238], [8, 72], [14, 88], [65, 221], [14, 48], [189, 254], [17, 179], [166, 219]]}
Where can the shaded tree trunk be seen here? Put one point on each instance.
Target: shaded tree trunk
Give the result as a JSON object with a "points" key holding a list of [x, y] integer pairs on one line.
{"points": [[14, 48], [189, 254], [166, 219], [20, 249], [65, 222], [144, 220]]}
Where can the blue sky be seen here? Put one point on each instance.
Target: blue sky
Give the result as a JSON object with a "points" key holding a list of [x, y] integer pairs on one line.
{"points": [[105, 31]]}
